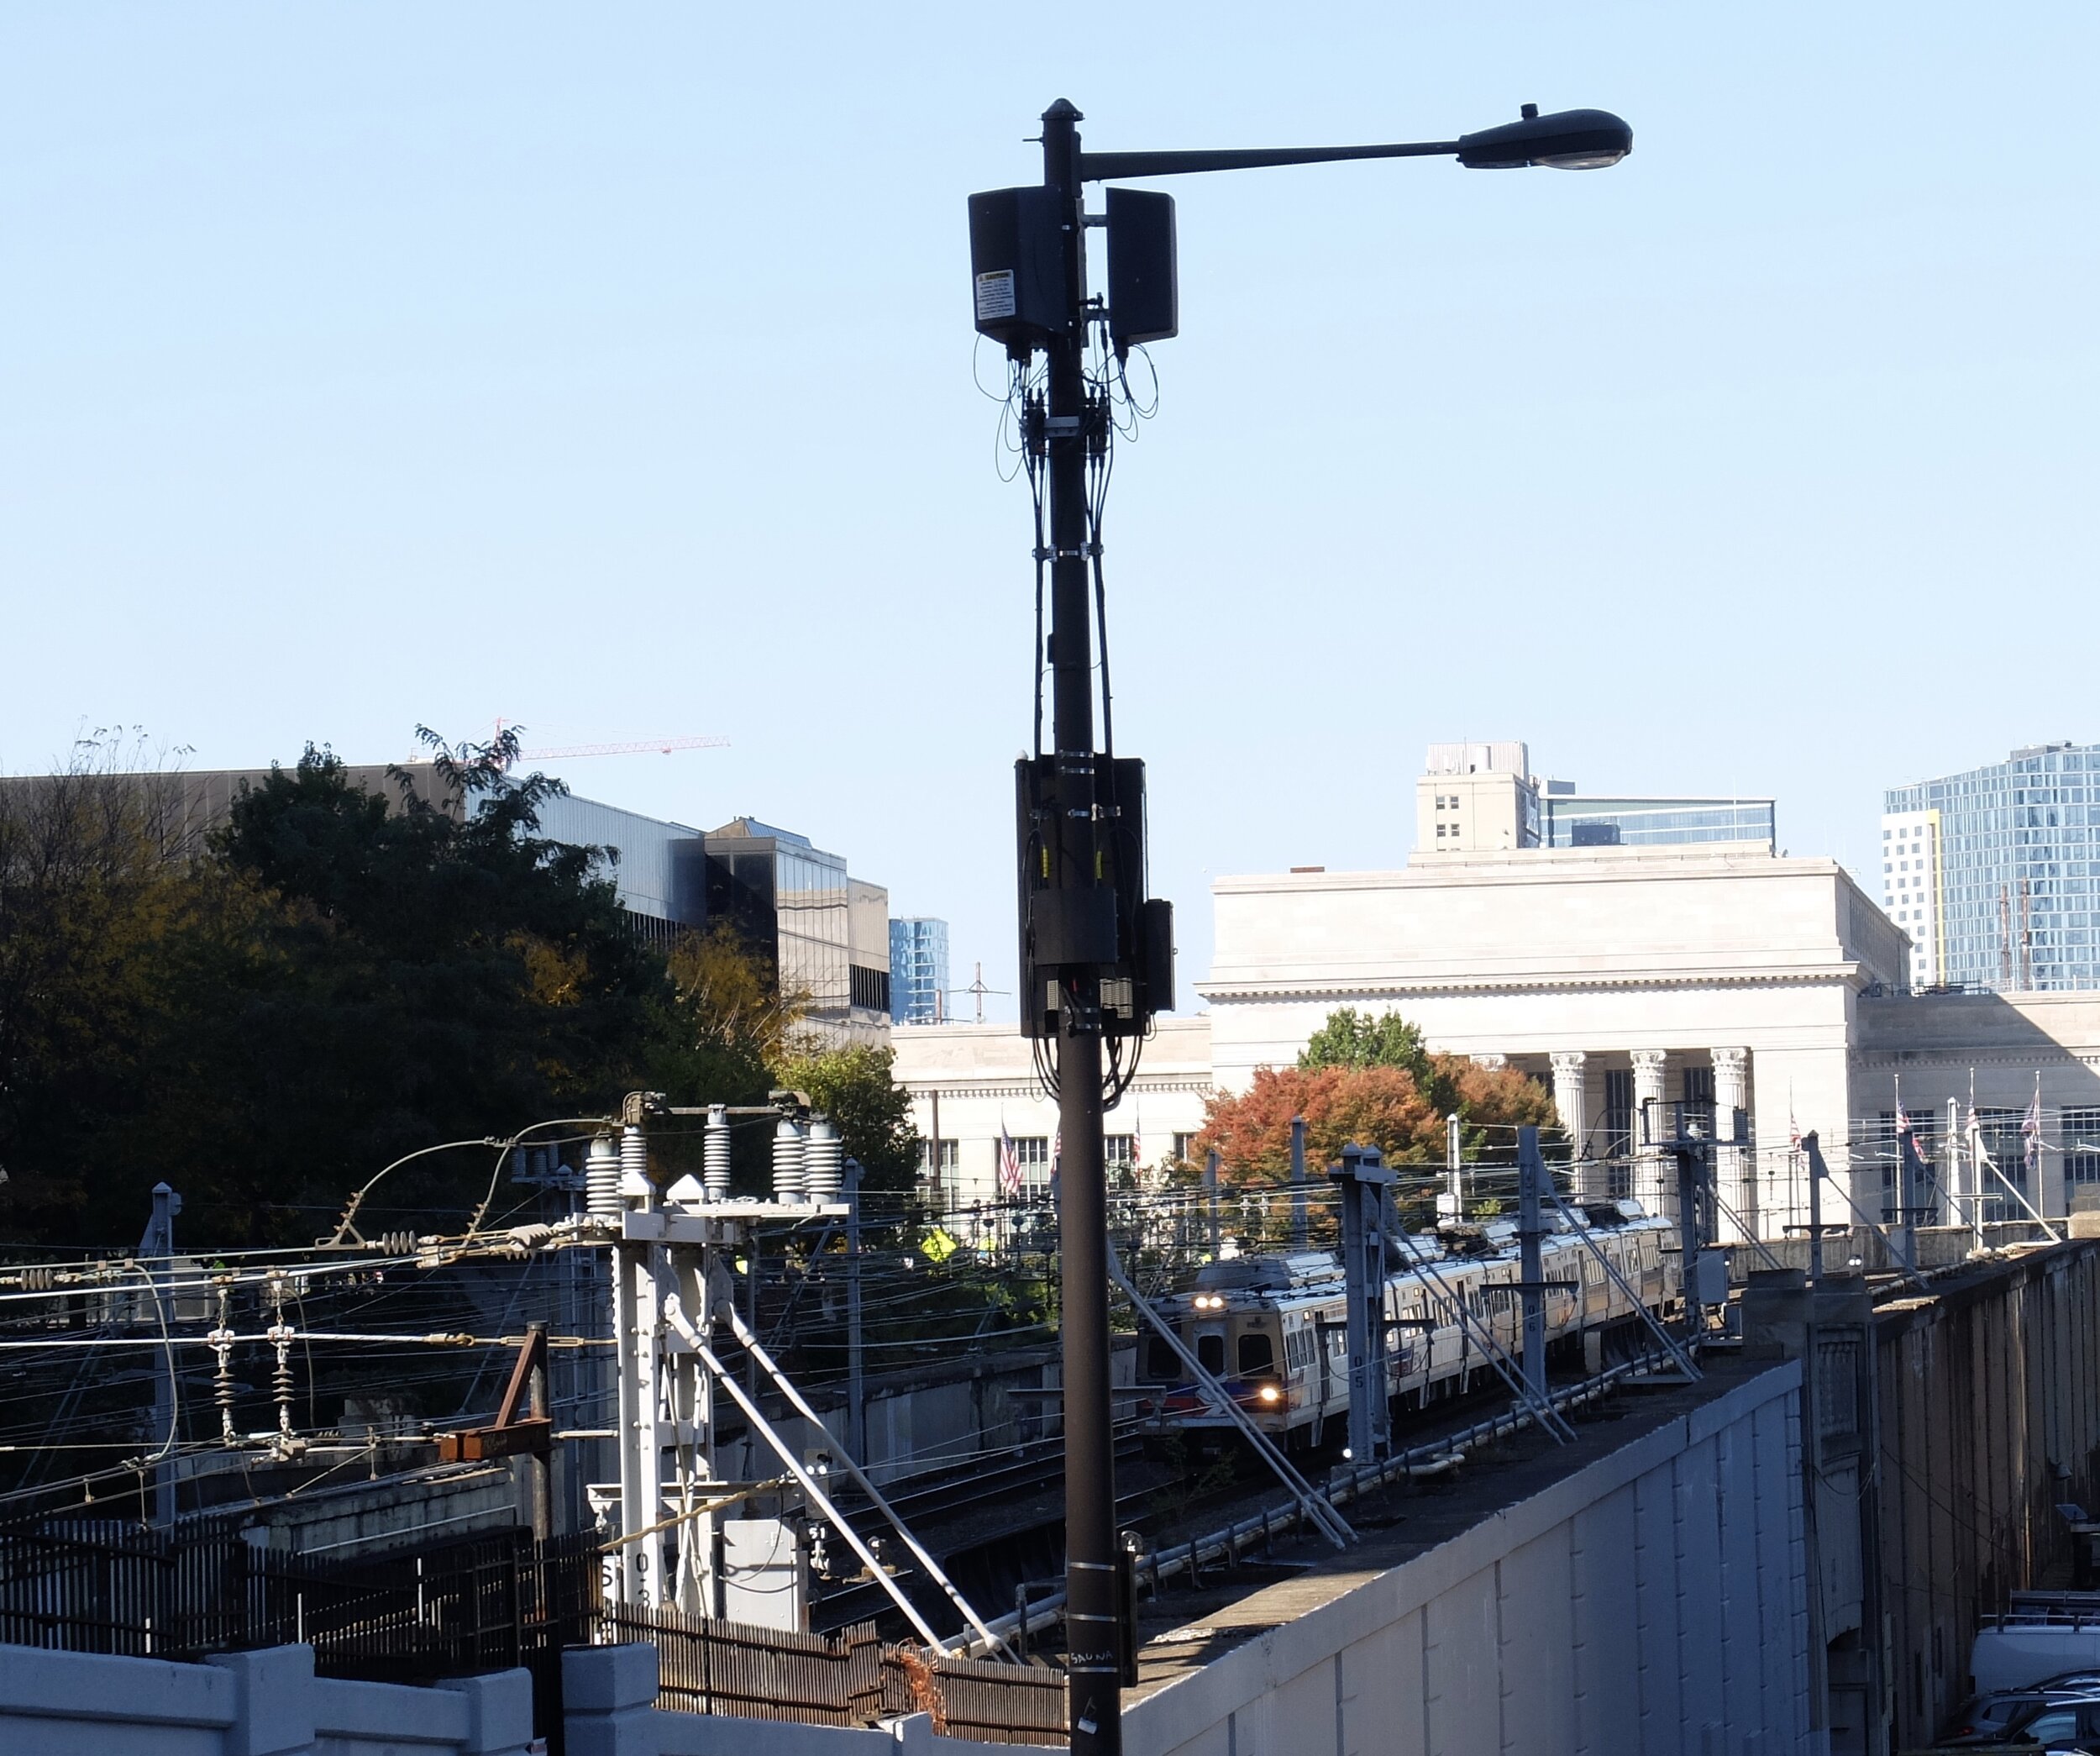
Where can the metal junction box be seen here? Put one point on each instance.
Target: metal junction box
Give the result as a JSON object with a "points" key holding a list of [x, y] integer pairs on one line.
{"points": [[1144, 298], [1016, 262]]}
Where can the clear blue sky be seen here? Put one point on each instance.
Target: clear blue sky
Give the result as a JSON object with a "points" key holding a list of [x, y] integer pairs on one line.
{"points": [[609, 370]]}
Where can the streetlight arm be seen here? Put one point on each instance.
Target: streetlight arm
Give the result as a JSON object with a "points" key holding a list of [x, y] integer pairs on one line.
{"points": [[1097, 166]]}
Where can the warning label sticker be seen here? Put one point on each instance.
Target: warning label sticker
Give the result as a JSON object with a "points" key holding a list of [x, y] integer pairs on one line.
{"points": [[995, 295]]}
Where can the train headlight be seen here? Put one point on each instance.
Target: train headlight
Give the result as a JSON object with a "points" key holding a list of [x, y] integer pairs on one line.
{"points": [[1270, 1394]]}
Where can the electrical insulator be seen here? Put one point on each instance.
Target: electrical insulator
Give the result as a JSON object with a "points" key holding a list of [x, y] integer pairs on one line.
{"points": [[787, 1162], [280, 1335], [715, 1154], [221, 1344], [823, 1161], [601, 1178], [635, 1159]]}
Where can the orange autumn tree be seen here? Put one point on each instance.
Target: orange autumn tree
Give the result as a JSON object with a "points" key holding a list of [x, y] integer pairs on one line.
{"points": [[1368, 1082]]}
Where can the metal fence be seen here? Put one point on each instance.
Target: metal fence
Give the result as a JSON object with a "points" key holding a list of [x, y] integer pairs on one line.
{"points": [[846, 1679], [490, 1602]]}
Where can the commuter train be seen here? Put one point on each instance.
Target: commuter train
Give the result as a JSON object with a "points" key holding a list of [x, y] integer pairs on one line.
{"points": [[1273, 1329]]}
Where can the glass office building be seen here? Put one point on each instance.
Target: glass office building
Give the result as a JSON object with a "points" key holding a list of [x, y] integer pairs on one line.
{"points": [[824, 931], [1570, 821], [918, 969], [1996, 873]]}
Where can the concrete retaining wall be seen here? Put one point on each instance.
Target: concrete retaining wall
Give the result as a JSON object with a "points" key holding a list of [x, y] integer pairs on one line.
{"points": [[1651, 1604], [1989, 1418], [247, 1704]]}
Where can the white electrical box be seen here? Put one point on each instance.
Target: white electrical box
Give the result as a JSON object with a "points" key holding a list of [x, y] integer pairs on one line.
{"points": [[765, 1575]]}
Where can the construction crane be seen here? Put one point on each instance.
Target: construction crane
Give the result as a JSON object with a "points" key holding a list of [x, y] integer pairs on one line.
{"points": [[661, 746], [639, 746]]}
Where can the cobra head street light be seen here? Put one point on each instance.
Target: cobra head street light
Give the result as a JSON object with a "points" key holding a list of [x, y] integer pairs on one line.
{"points": [[1096, 950]]}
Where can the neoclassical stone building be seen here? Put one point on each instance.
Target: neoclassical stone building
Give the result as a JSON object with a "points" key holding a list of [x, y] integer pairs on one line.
{"points": [[1620, 976]]}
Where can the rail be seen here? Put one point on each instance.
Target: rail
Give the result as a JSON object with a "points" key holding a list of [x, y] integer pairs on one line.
{"points": [[1347, 1482]]}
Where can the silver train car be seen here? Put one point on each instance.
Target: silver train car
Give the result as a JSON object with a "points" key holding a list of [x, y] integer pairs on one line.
{"points": [[1273, 1329]]}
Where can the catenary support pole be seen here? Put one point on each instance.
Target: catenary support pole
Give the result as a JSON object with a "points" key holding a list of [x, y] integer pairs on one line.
{"points": [[1362, 1180], [1531, 1233], [1810, 1146], [1210, 1199], [856, 1378], [1299, 1235]]}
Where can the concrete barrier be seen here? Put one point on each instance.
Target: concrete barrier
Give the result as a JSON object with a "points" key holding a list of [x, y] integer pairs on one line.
{"points": [[267, 1703], [1652, 1602]]}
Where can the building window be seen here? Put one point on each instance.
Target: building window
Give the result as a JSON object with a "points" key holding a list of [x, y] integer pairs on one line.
{"points": [[1616, 1146], [1120, 1150], [2000, 1131], [1032, 1152], [951, 1156], [1184, 1146], [2079, 1136]]}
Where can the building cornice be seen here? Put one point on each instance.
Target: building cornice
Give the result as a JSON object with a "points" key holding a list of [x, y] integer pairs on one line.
{"points": [[1552, 866], [1008, 1086], [1302, 988]]}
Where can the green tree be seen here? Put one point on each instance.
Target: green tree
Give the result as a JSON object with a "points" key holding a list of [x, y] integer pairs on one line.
{"points": [[94, 893], [1350, 1039], [372, 980]]}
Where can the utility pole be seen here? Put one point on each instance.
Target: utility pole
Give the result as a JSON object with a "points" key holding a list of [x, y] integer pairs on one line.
{"points": [[1093, 1619], [933, 1157], [1299, 1237], [1096, 953], [156, 1251], [1211, 1198], [542, 1464], [1452, 1206], [856, 1385]]}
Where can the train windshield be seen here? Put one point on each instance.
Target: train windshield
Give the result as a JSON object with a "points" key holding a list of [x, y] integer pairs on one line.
{"points": [[1256, 1354], [1162, 1365], [1211, 1353]]}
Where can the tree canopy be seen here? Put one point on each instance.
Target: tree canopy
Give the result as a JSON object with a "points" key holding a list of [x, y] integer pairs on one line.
{"points": [[1369, 1082], [337, 977]]}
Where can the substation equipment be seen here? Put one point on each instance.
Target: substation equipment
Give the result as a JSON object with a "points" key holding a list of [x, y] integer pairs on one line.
{"points": [[676, 1247]]}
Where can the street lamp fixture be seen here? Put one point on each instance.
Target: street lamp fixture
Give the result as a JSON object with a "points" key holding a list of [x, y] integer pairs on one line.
{"points": [[1096, 950], [1567, 140]]}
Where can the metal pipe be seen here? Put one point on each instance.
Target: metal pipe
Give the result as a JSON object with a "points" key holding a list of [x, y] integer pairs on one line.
{"points": [[674, 1315], [796, 1401]]}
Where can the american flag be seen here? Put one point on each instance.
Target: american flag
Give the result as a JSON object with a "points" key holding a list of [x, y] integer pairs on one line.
{"points": [[1009, 1163], [2031, 1128]]}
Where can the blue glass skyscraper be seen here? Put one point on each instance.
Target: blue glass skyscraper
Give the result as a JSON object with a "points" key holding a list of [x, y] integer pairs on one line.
{"points": [[918, 969], [1995, 874]]}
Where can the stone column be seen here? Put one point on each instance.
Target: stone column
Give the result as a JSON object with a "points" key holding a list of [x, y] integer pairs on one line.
{"points": [[1570, 1097], [1733, 1180], [1654, 1184]]}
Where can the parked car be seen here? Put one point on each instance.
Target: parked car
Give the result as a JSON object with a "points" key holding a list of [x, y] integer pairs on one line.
{"points": [[2027, 1717]]}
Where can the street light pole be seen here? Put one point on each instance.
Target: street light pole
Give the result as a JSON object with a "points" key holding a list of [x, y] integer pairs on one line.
{"points": [[1092, 1662], [1096, 953]]}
